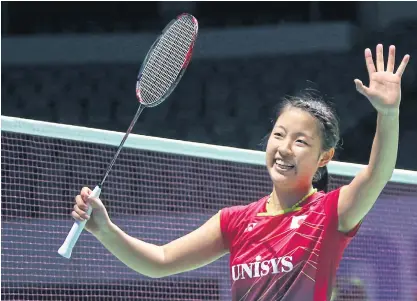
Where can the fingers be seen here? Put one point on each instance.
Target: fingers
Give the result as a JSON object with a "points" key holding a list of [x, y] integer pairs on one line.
{"points": [[380, 61], [360, 87], [85, 193], [85, 197], [79, 214], [402, 66], [77, 217], [391, 59], [81, 205], [380, 58], [80, 209], [369, 61]]}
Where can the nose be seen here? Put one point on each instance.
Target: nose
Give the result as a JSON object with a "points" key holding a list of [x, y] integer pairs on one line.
{"points": [[284, 148]]}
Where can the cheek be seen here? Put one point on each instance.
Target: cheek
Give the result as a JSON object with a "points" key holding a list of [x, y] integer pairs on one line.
{"points": [[270, 146], [270, 151], [308, 160]]}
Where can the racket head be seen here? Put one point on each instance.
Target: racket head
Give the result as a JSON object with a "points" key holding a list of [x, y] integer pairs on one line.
{"points": [[167, 60]]}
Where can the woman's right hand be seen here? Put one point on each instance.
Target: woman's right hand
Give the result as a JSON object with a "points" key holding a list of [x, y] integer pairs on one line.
{"points": [[99, 220]]}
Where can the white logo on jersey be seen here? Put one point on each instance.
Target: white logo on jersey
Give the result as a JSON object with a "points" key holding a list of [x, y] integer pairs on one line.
{"points": [[297, 221], [250, 227], [261, 268]]}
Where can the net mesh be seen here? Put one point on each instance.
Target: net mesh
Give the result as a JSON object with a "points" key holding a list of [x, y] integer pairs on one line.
{"points": [[158, 197], [166, 60]]}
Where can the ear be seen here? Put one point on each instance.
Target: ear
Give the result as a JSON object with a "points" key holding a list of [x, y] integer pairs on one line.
{"points": [[326, 157]]}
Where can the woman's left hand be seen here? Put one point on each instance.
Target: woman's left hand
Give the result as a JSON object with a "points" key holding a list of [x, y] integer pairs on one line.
{"points": [[384, 91]]}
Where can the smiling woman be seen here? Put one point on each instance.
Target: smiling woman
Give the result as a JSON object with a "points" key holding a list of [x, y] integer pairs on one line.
{"points": [[288, 244], [305, 147]]}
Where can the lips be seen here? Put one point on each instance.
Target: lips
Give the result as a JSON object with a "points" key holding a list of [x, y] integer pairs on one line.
{"points": [[283, 165]]}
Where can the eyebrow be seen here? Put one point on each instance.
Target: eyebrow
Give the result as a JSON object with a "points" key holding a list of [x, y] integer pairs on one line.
{"points": [[298, 133]]}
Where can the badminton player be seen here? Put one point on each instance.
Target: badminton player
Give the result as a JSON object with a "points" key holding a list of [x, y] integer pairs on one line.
{"points": [[287, 245]]}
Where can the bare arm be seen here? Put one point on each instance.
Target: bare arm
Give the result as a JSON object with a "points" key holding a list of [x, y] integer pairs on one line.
{"points": [[384, 92], [357, 198], [194, 250]]}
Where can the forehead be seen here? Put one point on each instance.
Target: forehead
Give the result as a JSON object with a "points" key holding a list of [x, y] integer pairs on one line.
{"points": [[298, 120]]}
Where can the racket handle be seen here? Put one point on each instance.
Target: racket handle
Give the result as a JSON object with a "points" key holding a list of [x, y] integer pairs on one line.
{"points": [[66, 249]]}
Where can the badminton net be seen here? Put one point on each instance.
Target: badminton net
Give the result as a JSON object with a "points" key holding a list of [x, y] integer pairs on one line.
{"points": [[159, 190]]}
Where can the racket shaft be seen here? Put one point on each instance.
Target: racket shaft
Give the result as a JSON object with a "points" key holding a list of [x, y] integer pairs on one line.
{"points": [[66, 249], [132, 124]]}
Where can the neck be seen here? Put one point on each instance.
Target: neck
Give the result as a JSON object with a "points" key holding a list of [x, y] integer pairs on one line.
{"points": [[282, 199]]}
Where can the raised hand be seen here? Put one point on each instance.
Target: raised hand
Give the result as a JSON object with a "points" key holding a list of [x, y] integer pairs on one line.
{"points": [[384, 91]]}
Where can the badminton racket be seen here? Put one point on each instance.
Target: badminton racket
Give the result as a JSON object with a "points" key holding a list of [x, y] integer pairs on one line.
{"points": [[160, 72]]}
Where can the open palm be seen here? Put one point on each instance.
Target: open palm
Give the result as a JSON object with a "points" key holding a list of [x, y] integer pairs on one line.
{"points": [[384, 91]]}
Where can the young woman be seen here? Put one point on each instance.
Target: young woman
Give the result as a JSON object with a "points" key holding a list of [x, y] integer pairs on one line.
{"points": [[287, 245]]}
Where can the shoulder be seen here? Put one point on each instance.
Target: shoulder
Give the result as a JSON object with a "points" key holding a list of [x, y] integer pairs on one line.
{"points": [[331, 199], [329, 203], [323, 204], [243, 210], [327, 199], [231, 217]]}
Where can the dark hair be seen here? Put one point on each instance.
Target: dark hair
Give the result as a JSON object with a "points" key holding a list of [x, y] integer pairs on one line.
{"points": [[328, 122]]}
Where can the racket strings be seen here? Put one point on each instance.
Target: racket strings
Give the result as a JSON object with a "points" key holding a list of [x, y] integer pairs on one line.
{"points": [[166, 60]]}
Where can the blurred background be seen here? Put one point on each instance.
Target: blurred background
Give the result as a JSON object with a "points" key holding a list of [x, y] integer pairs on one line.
{"points": [[76, 63]]}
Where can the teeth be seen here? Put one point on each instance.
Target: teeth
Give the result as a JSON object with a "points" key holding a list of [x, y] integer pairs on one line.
{"points": [[283, 163]]}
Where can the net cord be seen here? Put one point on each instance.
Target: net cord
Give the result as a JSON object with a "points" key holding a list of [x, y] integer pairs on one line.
{"points": [[163, 145]]}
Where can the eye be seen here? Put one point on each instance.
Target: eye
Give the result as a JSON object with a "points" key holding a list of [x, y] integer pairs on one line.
{"points": [[301, 141], [278, 135]]}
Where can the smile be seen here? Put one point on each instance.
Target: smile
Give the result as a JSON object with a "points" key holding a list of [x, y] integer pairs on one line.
{"points": [[283, 166]]}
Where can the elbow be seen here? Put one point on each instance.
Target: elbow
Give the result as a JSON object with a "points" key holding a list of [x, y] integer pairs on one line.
{"points": [[380, 176], [159, 271], [157, 275], [388, 177], [154, 272], [384, 177], [153, 275], [154, 267]]}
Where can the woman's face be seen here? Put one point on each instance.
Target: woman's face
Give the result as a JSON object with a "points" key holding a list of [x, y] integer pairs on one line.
{"points": [[294, 149]]}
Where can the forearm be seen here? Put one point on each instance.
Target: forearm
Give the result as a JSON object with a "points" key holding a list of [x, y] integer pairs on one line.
{"points": [[357, 198], [144, 258], [385, 146]]}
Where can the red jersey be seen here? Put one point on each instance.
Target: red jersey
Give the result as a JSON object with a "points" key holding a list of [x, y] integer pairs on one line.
{"points": [[289, 257]]}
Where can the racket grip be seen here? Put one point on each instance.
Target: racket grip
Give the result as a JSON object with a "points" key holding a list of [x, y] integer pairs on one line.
{"points": [[66, 249]]}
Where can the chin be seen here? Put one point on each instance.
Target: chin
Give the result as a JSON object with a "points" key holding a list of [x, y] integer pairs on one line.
{"points": [[279, 178]]}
